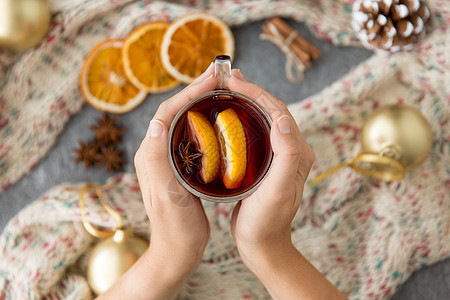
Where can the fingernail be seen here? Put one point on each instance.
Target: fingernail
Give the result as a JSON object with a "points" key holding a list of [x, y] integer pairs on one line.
{"points": [[209, 77], [209, 68], [239, 75], [284, 124], [156, 128]]}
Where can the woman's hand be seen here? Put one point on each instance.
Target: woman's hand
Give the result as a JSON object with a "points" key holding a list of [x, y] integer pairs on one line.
{"points": [[261, 223], [180, 229]]}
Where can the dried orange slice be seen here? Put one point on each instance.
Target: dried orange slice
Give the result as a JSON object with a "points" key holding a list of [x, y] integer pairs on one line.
{"points": [[141, 58], [192, 42], [233, 148], [205, 138], [103, 82]]}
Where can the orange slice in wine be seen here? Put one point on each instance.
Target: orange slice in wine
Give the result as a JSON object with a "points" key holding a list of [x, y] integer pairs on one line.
{"points": [[233, 148], [205, 138]]}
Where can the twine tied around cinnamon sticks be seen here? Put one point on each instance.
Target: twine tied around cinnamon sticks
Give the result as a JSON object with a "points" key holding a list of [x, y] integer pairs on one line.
{"points": [[298, 51]]}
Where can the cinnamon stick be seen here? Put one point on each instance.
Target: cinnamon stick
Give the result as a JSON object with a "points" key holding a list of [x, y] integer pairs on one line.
{"points": [[302, 55], [299, 41]]}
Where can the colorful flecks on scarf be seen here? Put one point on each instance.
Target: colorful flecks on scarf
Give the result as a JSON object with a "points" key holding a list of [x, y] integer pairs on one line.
{"points": [[366, 236]]}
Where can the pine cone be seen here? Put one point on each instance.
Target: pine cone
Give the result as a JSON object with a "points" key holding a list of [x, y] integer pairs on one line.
{"points": [[390, 25]]}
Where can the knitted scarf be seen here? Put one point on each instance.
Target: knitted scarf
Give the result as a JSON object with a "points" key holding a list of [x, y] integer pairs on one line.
{"points": [[364, 235]]}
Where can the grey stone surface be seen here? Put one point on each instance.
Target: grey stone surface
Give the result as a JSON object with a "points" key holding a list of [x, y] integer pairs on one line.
{"points": [[262, 63]]}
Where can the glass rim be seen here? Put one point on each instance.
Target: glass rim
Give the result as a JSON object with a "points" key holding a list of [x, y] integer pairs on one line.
{"points": [[180, 178]]}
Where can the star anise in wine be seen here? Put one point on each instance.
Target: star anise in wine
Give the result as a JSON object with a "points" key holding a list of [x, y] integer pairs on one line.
{"points": [[111, 157], [87, 153], [189, 157], [106, 130]]}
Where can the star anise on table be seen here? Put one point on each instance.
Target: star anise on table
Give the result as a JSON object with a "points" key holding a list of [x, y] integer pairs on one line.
{"points": [[111, 157], [189, 157], [107, 131], [87, 153]]}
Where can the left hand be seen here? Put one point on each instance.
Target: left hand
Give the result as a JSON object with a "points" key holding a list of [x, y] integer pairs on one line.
{"points": [[180, 229]]}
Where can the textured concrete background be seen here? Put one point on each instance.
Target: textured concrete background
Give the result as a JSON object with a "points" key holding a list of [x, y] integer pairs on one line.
{"points": [[260, 62]]}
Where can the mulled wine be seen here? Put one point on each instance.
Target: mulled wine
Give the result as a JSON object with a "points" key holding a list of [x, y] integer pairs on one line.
{"points": [[219, 142], [187, 155]]}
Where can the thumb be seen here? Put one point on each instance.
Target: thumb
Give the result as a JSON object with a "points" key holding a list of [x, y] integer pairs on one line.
{"points": [[157, 151], [287, 152], [162, 178], [150, 156]]}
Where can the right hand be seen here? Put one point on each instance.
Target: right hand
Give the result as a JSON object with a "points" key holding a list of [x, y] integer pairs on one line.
{"points": [[261, 223]]}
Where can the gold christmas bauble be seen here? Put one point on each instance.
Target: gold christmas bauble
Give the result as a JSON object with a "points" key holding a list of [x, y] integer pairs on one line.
{"points": [[394, 139], [23, 23], [112, 257], [398, 131]]}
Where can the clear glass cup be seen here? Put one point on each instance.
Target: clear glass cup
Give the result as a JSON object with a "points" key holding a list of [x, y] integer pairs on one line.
{"points": [[256, 123]]}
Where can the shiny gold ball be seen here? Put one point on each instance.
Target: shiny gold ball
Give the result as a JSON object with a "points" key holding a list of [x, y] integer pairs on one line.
{"points": [[111, 258], [23, 23], [398, 131]]}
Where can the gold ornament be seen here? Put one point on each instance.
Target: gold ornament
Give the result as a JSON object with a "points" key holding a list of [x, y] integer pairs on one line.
{"points": [[394, 139], [23, 23], [398, 131], [112, 257]]}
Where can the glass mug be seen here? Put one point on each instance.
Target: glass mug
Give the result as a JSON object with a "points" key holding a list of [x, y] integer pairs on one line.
{"points": [[207, 143]]}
